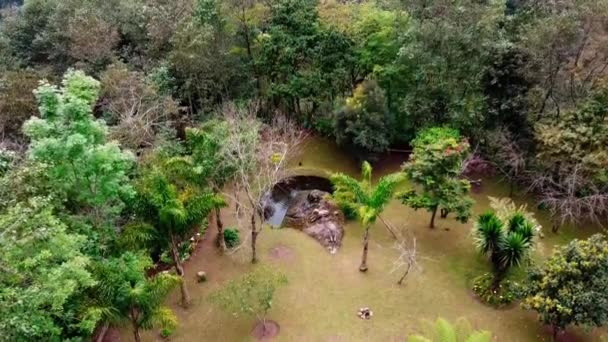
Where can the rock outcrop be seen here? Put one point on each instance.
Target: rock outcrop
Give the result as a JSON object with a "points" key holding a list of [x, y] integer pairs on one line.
{"points": [[313, 213]]}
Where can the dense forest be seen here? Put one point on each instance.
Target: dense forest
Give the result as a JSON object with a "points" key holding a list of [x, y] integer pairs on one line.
{"points": [[123, 122]]}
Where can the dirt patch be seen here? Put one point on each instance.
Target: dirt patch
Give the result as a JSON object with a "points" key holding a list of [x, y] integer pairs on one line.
{"points": [[281, 253], [266, 330]]}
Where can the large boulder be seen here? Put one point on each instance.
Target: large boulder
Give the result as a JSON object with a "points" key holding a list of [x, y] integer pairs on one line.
{"points": [[316, 215]]}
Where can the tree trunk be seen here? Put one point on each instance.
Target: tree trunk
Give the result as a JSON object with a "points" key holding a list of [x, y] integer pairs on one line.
{"points": [[136, 334], [102, 332], [555, 227], [363, 266], [254, 238], [404, 274], [444, 213], [220, 230], [432, 225], [179, 269], [556, 332]]}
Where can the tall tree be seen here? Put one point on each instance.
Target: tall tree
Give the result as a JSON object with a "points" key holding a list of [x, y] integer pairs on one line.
{"points": [[367, 200], [44, 275], [89, 170], [170, 214], [435, 166]]}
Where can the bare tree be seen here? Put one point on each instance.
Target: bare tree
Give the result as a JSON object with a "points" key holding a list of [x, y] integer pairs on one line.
{"points": [[259, 153], [408, 258], [570, 196], [507, 157]]}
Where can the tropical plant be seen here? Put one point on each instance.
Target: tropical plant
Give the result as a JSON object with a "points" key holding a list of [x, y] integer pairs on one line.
{"points": [[126, 294], [366, 199], [168, 215], [231, 237], [444, 331], [505, 243], [570, 288], [435, 165], [251, 294]]}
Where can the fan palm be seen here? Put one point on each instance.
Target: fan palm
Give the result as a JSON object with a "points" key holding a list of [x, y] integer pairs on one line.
{"points": [[505, 245], [443, 331], [364, 199]]}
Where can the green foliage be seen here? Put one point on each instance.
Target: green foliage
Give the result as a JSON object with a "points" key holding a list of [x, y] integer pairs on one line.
{"points": [[364, 121], [126, 295], [504, 294], [44, 275], [366, 200], [506, 244], [570, 288], [578, 136], [435, 165], [92, 172], [231, 237], [444, 331], [251, 294]]}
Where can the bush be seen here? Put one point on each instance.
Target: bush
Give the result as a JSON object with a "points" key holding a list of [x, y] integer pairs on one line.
{"points": [[166, 332], [231, 237], [505, 295]]}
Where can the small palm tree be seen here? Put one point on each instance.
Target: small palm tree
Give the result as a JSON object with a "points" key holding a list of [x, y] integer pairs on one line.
{"points": [[506, 245], [444, 331], [364, 199]]}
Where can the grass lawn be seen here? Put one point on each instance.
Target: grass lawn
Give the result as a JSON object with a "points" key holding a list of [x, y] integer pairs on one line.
{"points": [[325, 291]]}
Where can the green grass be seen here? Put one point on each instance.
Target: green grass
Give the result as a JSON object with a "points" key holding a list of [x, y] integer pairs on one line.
{"points": [[324, 292]]}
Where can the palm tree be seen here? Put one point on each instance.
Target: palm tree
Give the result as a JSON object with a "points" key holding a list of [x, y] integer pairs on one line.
{"points": [[170, 215], [505, 245], [444, 331], [124, 294], [364, 199]]}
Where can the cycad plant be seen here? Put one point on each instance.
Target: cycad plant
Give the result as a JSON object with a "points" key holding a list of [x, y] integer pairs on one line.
{"points": [[506, 244], [444, 331], [366, 200]]}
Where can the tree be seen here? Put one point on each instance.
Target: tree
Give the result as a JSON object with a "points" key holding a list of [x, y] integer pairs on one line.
{"points": [[363, 121], [206, 144], [259, 154], [444, 331], [435, 165], [251, 294], [92, 172], [506, 244], [126, 294], [169, 215], [368, 201], [570, 288], [44, 275], [17, 101]]}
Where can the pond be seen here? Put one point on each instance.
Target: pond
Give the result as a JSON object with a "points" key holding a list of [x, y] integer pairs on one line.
{"points": [[325, 291]]}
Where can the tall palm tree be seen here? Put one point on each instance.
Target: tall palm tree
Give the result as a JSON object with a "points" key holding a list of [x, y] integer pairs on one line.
{"points": [[506, 245], [444, 331], [170, 215], [365, 200]]}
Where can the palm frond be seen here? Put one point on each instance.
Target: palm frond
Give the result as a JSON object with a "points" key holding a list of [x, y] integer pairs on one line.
{"points": [[444, 331], [346, 184], [385, 190], [516, 221], [164, 317], [366, 173], [480, 336], [137, 235]]}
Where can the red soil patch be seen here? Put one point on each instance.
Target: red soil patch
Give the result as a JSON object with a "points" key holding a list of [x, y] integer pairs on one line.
{"points": [[282, 253], [265, 331]]}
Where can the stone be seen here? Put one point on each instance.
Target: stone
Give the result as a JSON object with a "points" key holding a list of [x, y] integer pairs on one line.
{"points": [[201, 276], [313, 213]]}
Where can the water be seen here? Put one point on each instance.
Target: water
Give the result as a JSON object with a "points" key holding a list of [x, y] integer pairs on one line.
{"points": [[278, 202]]}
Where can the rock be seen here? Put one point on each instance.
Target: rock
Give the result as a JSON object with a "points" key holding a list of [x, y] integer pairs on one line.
{"points": [[201, 276], [314, 214]]}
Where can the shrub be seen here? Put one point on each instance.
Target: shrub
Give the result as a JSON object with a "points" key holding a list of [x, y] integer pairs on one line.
{"points": [[231, 237], [505, 294]]}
